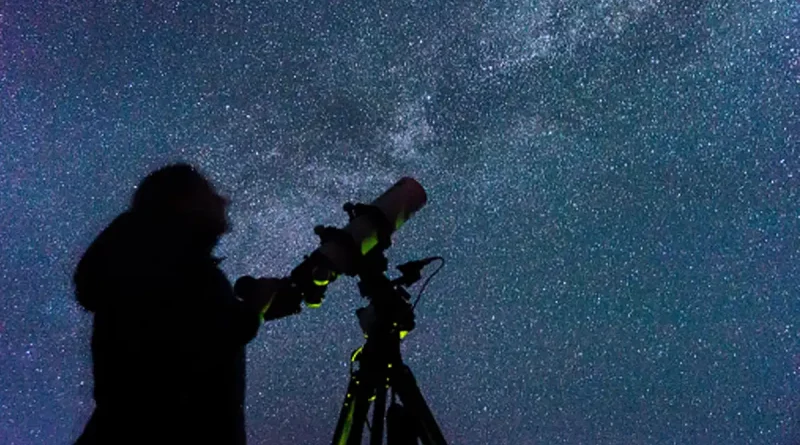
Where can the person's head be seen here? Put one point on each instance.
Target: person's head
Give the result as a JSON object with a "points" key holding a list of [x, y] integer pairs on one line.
{"points": [[179, 192]]}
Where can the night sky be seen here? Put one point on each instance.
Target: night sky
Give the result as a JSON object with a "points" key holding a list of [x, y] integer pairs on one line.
{"points": [[614, 184]]}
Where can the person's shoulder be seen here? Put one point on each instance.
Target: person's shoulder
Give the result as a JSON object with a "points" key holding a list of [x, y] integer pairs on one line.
{"points": [[105, 261]]}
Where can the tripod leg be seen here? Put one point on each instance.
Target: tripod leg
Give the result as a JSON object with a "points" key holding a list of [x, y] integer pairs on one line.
{"points": [[401, 426], [353, 413], [405, 385], [378, 415]]}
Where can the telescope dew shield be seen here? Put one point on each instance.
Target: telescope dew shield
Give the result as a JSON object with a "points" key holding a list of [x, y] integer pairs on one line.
{"points": [[396, 205]]}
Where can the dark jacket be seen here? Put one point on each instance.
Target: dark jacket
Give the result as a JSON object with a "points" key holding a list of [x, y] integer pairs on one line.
{"points": [[168, 338]]}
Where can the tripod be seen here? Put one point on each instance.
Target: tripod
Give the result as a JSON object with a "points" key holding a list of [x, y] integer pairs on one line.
{"points": [[357, 249], [385, 321]]}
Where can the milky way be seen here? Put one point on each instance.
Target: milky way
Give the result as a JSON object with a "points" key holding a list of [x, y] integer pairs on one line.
{"points": [[614, 186]]}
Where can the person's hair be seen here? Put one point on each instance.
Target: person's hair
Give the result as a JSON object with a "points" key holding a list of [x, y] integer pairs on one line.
{"points": [[161, 190]]}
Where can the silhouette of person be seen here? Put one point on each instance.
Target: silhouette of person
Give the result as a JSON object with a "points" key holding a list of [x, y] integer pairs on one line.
{"points": [[169, 334]]}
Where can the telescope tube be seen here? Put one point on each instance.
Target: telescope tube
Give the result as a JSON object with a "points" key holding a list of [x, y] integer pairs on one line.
{"points": [[396, 205]]}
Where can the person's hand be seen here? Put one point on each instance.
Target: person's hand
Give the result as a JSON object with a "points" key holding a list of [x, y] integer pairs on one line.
{"points": [[257, 293]]}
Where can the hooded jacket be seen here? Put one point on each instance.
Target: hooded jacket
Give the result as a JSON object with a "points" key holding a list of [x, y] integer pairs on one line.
{"points": [[168, 337]]}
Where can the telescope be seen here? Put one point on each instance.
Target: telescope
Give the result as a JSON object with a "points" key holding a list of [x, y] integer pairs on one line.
{"points": [[357, 250]]}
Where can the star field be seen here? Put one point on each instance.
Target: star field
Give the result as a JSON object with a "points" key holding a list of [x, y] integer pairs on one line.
{"points": [[614, 186]]}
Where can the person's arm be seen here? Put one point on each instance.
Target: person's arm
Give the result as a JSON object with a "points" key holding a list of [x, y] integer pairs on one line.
{"points": [[237, 313], [224, 318], [271, 297]]}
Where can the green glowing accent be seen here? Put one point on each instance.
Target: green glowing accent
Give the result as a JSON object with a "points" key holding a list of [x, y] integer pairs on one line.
{"points": [[264, 310], [372, 240], [347, 424], [321, 282], [356, 353], [313, 305], [369, 243], [401, 219], [390, 365], [372, 399], [403, 334]]}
